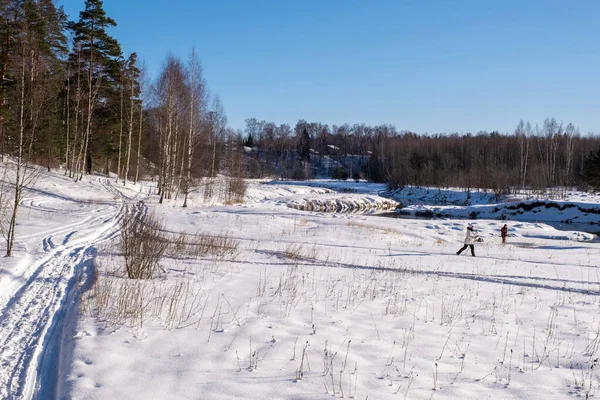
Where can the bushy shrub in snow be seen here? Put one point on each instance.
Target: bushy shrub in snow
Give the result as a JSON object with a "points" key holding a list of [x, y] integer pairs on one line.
{"points": [[142, 244]]}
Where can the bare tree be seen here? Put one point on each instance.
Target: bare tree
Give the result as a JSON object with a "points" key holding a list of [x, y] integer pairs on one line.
{"points": [[120, 125], [169, 96], [143, 91], [133, 75], [19, 170], [24, 172], [75, 162], [67, 119], [522, 132], [569, 148], [198, 95], [218, 123]]}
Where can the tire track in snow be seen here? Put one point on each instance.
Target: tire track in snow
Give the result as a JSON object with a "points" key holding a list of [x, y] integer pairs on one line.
{"points": [[36, 308]]}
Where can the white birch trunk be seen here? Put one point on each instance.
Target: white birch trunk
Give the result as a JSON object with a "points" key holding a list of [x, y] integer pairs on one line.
{"points": [[129, 138], [10, 240], [68, 118], [139, 145], [120, 130]]}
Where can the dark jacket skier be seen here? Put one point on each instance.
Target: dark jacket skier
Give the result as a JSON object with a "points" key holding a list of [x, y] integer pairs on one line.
{"points": [[504, 233]]}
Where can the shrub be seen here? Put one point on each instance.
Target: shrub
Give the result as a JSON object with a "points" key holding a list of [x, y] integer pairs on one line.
{"points": [[201, 244], [235, 190], [340, 173], [142, 244]]}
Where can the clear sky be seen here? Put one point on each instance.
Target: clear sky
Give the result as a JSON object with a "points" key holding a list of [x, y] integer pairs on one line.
{"points": [[423, 65]]}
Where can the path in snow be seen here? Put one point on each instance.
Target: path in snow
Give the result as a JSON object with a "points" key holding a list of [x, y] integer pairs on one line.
{"points": [[36, 305]]}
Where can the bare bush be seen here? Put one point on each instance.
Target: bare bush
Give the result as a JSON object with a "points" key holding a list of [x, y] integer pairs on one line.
{"points": [[142, 245], [235, 190], [201, 244]]}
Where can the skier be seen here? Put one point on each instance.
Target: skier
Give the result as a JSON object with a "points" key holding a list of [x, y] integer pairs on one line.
{"points": [[469, 240], [504, 233]]}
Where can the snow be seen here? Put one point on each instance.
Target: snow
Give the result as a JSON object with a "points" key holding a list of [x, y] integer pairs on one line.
{"points": [[567, 206], [309, 305]]}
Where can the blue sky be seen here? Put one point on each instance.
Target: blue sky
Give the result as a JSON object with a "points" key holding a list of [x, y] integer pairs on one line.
{"points": [[427, 66]]}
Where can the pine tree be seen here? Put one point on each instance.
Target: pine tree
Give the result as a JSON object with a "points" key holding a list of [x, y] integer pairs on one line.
{"points": [[102, 62], [249, 141], [591, 169], [305, 146], [47, 60], [305, 153], [10, 19]]}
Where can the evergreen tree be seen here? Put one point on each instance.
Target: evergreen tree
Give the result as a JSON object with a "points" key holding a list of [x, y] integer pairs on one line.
{"points": [[99, 56], [48, 50], [591, 169], [304, 152], [340, 173], [249, 141], [304, 146], [10, 19]]}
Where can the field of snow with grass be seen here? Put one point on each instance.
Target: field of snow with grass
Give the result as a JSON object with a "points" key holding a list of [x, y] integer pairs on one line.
{"points": [[263, 300]]}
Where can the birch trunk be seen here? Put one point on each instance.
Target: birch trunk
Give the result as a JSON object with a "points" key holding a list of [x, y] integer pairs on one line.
{"points": [[129, 138], [10, 240], [68, 117], [188, 177], [88, 126], [75, 162], [139, 146], [120, 130]]}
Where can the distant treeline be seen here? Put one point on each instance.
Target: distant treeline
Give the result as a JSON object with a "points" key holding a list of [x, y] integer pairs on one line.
{"points": [[534, 157]]}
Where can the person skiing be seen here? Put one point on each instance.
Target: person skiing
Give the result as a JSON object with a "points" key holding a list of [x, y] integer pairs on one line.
{"points": [[504, 233], [469, 240]]}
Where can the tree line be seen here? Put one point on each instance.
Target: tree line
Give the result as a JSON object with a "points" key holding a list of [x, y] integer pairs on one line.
{"points": [[533, 156]]}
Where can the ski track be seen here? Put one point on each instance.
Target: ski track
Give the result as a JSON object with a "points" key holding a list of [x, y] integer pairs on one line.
{"points": [[28, 315]]}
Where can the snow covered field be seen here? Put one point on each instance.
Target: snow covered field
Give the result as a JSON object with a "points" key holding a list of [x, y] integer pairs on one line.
{"points": [[298, 305]]}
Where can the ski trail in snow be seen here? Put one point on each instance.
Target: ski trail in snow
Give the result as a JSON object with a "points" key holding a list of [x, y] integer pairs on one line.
{"points": [[37, 306]]}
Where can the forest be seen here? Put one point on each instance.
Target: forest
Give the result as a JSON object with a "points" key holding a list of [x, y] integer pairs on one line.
{"points": [[534, 157]]}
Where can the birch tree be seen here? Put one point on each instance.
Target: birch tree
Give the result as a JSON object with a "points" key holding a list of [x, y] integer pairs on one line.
{"points": [[142, 95], [168, 94], [133, 74], [571, 133], [522, 132], [197, 111]]}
